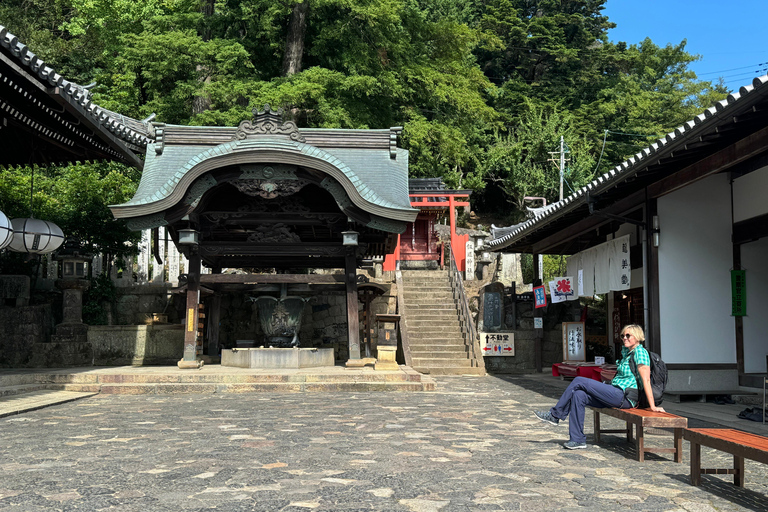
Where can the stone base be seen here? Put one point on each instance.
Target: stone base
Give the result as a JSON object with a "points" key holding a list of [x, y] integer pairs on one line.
{"points": [[189, 365], [276, 358], [386, 360], [359, 363]]}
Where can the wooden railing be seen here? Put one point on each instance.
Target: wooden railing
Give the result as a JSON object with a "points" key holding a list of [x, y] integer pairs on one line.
{"points": [[402, 323], [468, 329]]}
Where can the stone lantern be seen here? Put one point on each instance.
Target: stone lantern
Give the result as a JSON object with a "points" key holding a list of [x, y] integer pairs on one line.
{"points": [[73, 282]]}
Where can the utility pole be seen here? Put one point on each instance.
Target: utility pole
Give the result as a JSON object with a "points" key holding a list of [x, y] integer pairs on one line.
{"points": [[561, 167]]}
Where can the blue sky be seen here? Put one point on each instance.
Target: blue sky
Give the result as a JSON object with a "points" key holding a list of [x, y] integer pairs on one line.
{"points": [[731, 37]]}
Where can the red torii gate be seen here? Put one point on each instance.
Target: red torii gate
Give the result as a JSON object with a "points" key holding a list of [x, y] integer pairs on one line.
{"points": [[431, 201]]}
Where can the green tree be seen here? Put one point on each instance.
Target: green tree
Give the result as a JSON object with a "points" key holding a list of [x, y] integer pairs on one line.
{"points": [[522, 163]]}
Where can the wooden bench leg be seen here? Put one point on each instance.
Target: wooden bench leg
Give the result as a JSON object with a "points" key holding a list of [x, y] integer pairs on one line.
{"points": [[597, 427], [678, 445], [629, 432], [640, 444], [738, 471], [695, 463]]}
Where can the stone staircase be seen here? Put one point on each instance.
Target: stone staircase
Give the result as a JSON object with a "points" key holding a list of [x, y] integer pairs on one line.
{"points": [[432, 321]]}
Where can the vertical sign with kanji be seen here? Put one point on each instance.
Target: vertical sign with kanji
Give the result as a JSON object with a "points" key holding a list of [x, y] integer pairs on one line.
{"points": [[739, 292], [539, 297], [574, 342]]}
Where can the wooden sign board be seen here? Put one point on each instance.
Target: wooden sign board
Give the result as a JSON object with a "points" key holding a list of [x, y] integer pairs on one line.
{"points": [[574, 342]]}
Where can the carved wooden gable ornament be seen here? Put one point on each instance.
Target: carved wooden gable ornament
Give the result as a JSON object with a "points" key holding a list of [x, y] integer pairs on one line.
{"points": [[268, 122]]}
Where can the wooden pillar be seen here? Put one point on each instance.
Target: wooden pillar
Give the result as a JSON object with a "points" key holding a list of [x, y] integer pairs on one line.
{"points": [[214, 318], [189, 360], [353, 327], [538, 340]]}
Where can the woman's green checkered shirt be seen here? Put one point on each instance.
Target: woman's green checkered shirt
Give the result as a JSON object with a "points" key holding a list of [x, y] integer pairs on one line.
{"points": [[624, 377]]}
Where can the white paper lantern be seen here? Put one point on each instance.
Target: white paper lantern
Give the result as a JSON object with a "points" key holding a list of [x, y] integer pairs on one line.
{"points": [[35, 236], [6, 231]]}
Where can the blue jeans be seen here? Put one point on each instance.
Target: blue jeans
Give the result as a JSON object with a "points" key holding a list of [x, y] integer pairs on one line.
{"points": [[581, 393]]}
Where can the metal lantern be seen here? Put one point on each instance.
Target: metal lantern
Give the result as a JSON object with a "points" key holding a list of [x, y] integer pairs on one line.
{"points": [[6, 231], [189, 236], [349, 238], [35, 236]]}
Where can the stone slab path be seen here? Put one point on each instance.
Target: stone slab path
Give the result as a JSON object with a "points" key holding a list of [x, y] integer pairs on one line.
{"points": [[471, 445]]}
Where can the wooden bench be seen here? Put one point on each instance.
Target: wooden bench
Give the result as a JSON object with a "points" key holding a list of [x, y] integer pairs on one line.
{"points": [[643, 418], [741, 445]]}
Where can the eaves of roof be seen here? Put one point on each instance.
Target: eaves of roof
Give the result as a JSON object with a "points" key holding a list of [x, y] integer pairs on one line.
{"points": [[125, 134], [722, 112]]}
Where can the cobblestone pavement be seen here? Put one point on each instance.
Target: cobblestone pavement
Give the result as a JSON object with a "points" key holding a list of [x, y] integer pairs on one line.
{"points": [[472, 445]]}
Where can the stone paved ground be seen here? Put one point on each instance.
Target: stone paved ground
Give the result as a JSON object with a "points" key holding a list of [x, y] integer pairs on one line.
{"points": [[472, 445]]}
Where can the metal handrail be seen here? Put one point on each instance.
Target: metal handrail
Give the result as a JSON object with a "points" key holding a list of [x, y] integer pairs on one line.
{"points": [[402, 324], [468, 329]]}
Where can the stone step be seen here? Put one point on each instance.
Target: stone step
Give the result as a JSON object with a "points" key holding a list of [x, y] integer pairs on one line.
{"points": [[426, 331], [432, 284], [438, 354], [433, 306], [451, 324], [20, 389], [433, 315], [88, 382], [424, 273], [422, 291], [265, 387], [34, 400], [455, 345], [450, 371], [445, 362], [17, 379]]}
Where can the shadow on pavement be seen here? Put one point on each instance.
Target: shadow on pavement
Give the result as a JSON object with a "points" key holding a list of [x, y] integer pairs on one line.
{"points": [[723, 487]]}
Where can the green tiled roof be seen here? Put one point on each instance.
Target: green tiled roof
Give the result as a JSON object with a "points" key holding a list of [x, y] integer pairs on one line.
{"points": [[374, 181]]}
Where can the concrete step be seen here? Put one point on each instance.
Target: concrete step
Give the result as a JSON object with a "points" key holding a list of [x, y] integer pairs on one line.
{"points": [[78, 382], [425, 273], [432, 284], [427, 331]]}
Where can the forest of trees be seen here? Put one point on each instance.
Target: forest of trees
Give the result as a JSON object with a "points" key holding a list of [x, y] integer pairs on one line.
{"points": [[483, 88]]}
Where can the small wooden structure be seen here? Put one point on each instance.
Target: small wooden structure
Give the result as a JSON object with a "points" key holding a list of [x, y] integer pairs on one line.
{"points": [[268, 195], [741, 445]]}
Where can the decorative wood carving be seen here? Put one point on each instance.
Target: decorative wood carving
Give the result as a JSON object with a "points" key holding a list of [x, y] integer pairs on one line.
{"points": [[269, 189], [274, 234], [267, 122]]}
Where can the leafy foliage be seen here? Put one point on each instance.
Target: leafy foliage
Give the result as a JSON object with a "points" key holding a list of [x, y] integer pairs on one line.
{"points": [[483, 88]]}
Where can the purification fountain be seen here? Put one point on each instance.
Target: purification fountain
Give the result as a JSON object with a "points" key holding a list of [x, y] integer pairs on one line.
{"points": [[280, 320]]}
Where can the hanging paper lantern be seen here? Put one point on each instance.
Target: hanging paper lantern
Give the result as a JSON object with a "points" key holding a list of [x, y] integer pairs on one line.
{"points": [[35, 236], [6, 231]]}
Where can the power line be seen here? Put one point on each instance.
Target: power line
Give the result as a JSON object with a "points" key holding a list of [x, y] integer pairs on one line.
{"points": [[733, 69]]}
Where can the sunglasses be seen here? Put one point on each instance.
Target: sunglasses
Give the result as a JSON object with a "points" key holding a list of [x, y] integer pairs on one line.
{"points": [[627, 336]]}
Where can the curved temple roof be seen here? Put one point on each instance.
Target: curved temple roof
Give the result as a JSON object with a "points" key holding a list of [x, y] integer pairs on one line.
{"points": [[372, 171], [104, 134], [672, 145]]}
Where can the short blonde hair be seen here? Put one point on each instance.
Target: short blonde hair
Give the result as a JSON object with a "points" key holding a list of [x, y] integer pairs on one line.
{"points": [[635, 330]]}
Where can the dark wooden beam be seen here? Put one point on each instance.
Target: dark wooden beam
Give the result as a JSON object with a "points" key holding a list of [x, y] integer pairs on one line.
{"points": [[254, 279], [736, 153], [750, 229]]}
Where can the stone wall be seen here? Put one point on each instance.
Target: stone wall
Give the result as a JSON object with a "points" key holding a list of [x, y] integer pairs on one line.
{"points": [[26, 331], [524, 360], [136, 344], [137, 304]]}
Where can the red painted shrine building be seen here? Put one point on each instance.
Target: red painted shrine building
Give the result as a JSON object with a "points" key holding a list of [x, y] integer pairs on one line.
{"points": [[420, 242]]}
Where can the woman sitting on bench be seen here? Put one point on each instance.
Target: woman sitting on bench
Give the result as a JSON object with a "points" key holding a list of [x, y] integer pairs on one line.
{"points": [[622, 392]]}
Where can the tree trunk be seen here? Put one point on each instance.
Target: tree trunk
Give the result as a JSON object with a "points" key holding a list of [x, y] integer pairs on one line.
{"points": [[294, 41], [201, 103]]}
